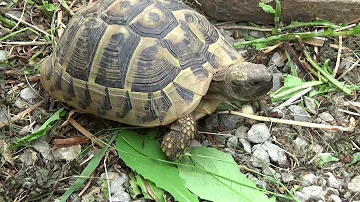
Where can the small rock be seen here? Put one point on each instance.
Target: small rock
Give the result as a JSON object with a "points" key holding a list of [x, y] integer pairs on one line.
{"points": [[326, 117], [194, 143], [299, 114], [3, 115], [20, 103], [277, 81], [276, 60], [310, 105], [232, 142], [212, 122], [300, 144], [261, 184], [121, 196], [301, 196], [347, 195], [258, 133], [246, 145], [335, 198], [3, 54], [308, 179], [140, 200], [354, 184], [270, 172], [28, 94], [259, 157], [229, 121], [276, 154], [332, 181], [315, 148], [67, 153], [330, 190], [241, 132], [287, 177], [256, 34], [314, 192], [29, 157], [42, 146]]}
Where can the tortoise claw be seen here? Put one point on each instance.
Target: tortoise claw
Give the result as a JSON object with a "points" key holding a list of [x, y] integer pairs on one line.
{"points": [[178, 140]]}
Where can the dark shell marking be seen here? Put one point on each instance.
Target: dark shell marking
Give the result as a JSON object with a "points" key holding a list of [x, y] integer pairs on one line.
{"points": [[139, 62]]}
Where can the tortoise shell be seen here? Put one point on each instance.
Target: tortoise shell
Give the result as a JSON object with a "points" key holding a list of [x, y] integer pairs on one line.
{"points": [[138, 62]]}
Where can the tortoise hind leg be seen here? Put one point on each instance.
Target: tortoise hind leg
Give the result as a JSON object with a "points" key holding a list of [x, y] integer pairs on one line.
{"points": [[178, 140]]}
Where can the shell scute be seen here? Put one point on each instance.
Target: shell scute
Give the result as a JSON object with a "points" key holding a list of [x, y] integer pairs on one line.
{"points": [[122, 12]]}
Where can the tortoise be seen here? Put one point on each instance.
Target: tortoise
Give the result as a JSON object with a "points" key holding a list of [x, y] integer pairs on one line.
{"points": [[149, 63]]}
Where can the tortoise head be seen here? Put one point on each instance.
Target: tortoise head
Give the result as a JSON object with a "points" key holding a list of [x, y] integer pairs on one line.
{"points": [[242, 81], [246, 81]]}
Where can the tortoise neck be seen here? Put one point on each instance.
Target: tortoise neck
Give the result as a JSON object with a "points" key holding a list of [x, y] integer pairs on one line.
{"points": [[217, 91]]}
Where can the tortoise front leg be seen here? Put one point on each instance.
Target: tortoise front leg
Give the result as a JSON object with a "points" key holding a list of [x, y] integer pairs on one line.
{"points": [[178, 140]]}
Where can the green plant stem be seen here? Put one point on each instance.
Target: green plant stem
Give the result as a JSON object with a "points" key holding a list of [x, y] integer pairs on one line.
{"points": [[296, 89], [277, 17], [293, 37], [328, 76]]}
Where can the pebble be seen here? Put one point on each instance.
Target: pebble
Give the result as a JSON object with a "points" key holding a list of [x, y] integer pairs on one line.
{"points": [[28, 94], [67, 153], [117, 181], [300, 144], [330, 190], [287, 177], [332, 181], [246, 145], [301, 196], [325, 117], [232, 142], [276, 60], [299, 114], [260, 157], [261, 184], [276, 153], [310, 105], [229, 121], [314, 192], [241, 132], [3, 115], [212, 122], [258, 133], [308, 179], [335, 198], [277, 81], [354, 184]]}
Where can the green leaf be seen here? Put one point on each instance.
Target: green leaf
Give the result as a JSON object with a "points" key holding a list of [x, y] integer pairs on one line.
{"points": [[85, 174], [216, 177], [267, 8], [292, 85], [42, 130], [150, 190], [322, 161], [355, 160], [317, 22], [135, 190], [49, 7], [145, 156]]}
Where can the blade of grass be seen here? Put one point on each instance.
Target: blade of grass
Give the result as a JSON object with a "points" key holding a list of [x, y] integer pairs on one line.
{"points": [[277, 17], [93, 164], [293, 37], [328, 76]]}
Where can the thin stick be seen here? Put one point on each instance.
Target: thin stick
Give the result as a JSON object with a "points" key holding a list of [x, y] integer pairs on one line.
{"points": [[21, 114], [338, 57], [290, 122], [26, 23], [85, 132]]}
